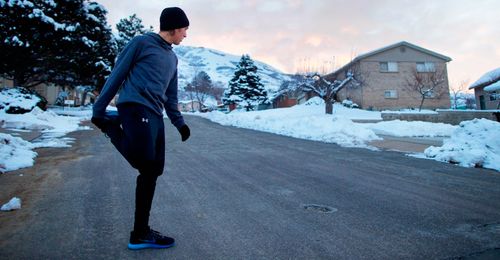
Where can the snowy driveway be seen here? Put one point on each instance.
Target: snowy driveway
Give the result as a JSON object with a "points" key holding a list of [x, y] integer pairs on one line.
{"points": [[232, 193]]}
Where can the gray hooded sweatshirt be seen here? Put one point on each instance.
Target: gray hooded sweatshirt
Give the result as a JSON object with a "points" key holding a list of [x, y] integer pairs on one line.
{"points": [[146, 71]]}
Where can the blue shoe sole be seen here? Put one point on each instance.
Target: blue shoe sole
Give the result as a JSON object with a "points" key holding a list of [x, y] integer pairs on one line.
{"points": [[111, 113], [147, 245]]}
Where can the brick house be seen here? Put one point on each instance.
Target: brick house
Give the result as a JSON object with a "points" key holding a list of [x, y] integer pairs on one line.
{"points": [[384, 74], [487, 90], [289, 98]]}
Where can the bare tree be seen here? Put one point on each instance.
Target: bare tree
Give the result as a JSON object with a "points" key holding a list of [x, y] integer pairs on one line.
{"points": [[326, 89], [457, 90], [200, 88], [190, 92], [217, 90], [428, 84]]}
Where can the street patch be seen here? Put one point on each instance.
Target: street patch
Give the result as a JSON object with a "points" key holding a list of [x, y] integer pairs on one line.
{"points": [[319, 208]]}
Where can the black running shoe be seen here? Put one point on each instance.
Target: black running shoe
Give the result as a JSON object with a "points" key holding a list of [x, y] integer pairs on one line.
{"points": [[150, 239]]}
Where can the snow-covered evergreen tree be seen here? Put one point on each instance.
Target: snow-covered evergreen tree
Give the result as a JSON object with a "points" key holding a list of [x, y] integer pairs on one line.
{"points": [[245, 88], [66, 42], [26, 29], [128, 28], [84, 55], [98, 49]]}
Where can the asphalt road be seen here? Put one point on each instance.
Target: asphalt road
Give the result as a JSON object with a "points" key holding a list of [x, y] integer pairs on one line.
{"points": [[232, 193]]}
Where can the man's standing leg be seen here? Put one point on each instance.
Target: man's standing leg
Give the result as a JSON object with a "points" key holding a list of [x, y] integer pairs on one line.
{"points": [[144, 194], [146, 182]]}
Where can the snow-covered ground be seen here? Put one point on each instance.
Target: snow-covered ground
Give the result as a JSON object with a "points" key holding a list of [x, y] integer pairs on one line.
{"points": [[309, 121], [52, 126], [17, 153], [14, 203]]}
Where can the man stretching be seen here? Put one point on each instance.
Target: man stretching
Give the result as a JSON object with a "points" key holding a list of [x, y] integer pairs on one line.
{"points": [[146, 75]]}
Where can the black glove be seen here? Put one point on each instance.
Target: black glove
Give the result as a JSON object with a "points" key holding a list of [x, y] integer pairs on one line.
{"points": [[100, 122], [185, 132]]}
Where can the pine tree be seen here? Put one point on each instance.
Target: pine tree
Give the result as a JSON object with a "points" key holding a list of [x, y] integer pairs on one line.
{"points": [[26, 29], [128, 28], [67, 43], [84, 52], [245, 88], [98, 49]]}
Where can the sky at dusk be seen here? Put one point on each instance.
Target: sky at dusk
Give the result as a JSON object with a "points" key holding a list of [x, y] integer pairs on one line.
{"points": [[293, 35]]}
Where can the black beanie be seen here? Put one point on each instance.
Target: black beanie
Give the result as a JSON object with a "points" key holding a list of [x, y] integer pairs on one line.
{"points": [[173, 18]]}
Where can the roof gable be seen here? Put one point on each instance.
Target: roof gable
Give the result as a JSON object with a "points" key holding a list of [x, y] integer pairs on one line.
{"points": [[406, 44], [389, 47]]}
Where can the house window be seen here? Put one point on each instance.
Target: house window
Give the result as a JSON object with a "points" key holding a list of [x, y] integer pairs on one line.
{"points": [[389, 66], [391, 93], [494, 96], [426, 67]]}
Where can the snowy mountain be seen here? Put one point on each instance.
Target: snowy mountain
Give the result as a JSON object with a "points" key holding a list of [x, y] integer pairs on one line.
{"points": [[220, 67]]}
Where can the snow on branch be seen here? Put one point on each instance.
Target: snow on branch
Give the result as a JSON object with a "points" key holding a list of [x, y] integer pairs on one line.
{"points": [[37, 13], [327, 89]]}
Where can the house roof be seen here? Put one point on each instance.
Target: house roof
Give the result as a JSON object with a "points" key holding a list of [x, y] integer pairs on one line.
{"points": [[487, 79], [395, 45], [407, 44], [493, 87]]}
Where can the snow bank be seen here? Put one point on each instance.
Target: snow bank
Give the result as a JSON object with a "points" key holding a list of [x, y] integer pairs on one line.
{"points": [[14, 203], [309, 121], [17, 98], [475, 143], [411, 128], [49, 123], [325, 128], [306, 121], [15, 153], [84, 113]]}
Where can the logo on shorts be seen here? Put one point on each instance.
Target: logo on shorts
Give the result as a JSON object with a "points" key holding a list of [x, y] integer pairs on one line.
{"points": [[145, 120]]}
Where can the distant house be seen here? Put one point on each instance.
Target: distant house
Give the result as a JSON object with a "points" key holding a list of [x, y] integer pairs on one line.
{"points": [[188, 105], [289, 98], [48, 91], [487, 90], [74, 97], [384, 74]]}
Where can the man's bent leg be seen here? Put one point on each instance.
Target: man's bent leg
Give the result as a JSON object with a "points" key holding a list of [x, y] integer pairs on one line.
{"points": [[138, 135]]}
